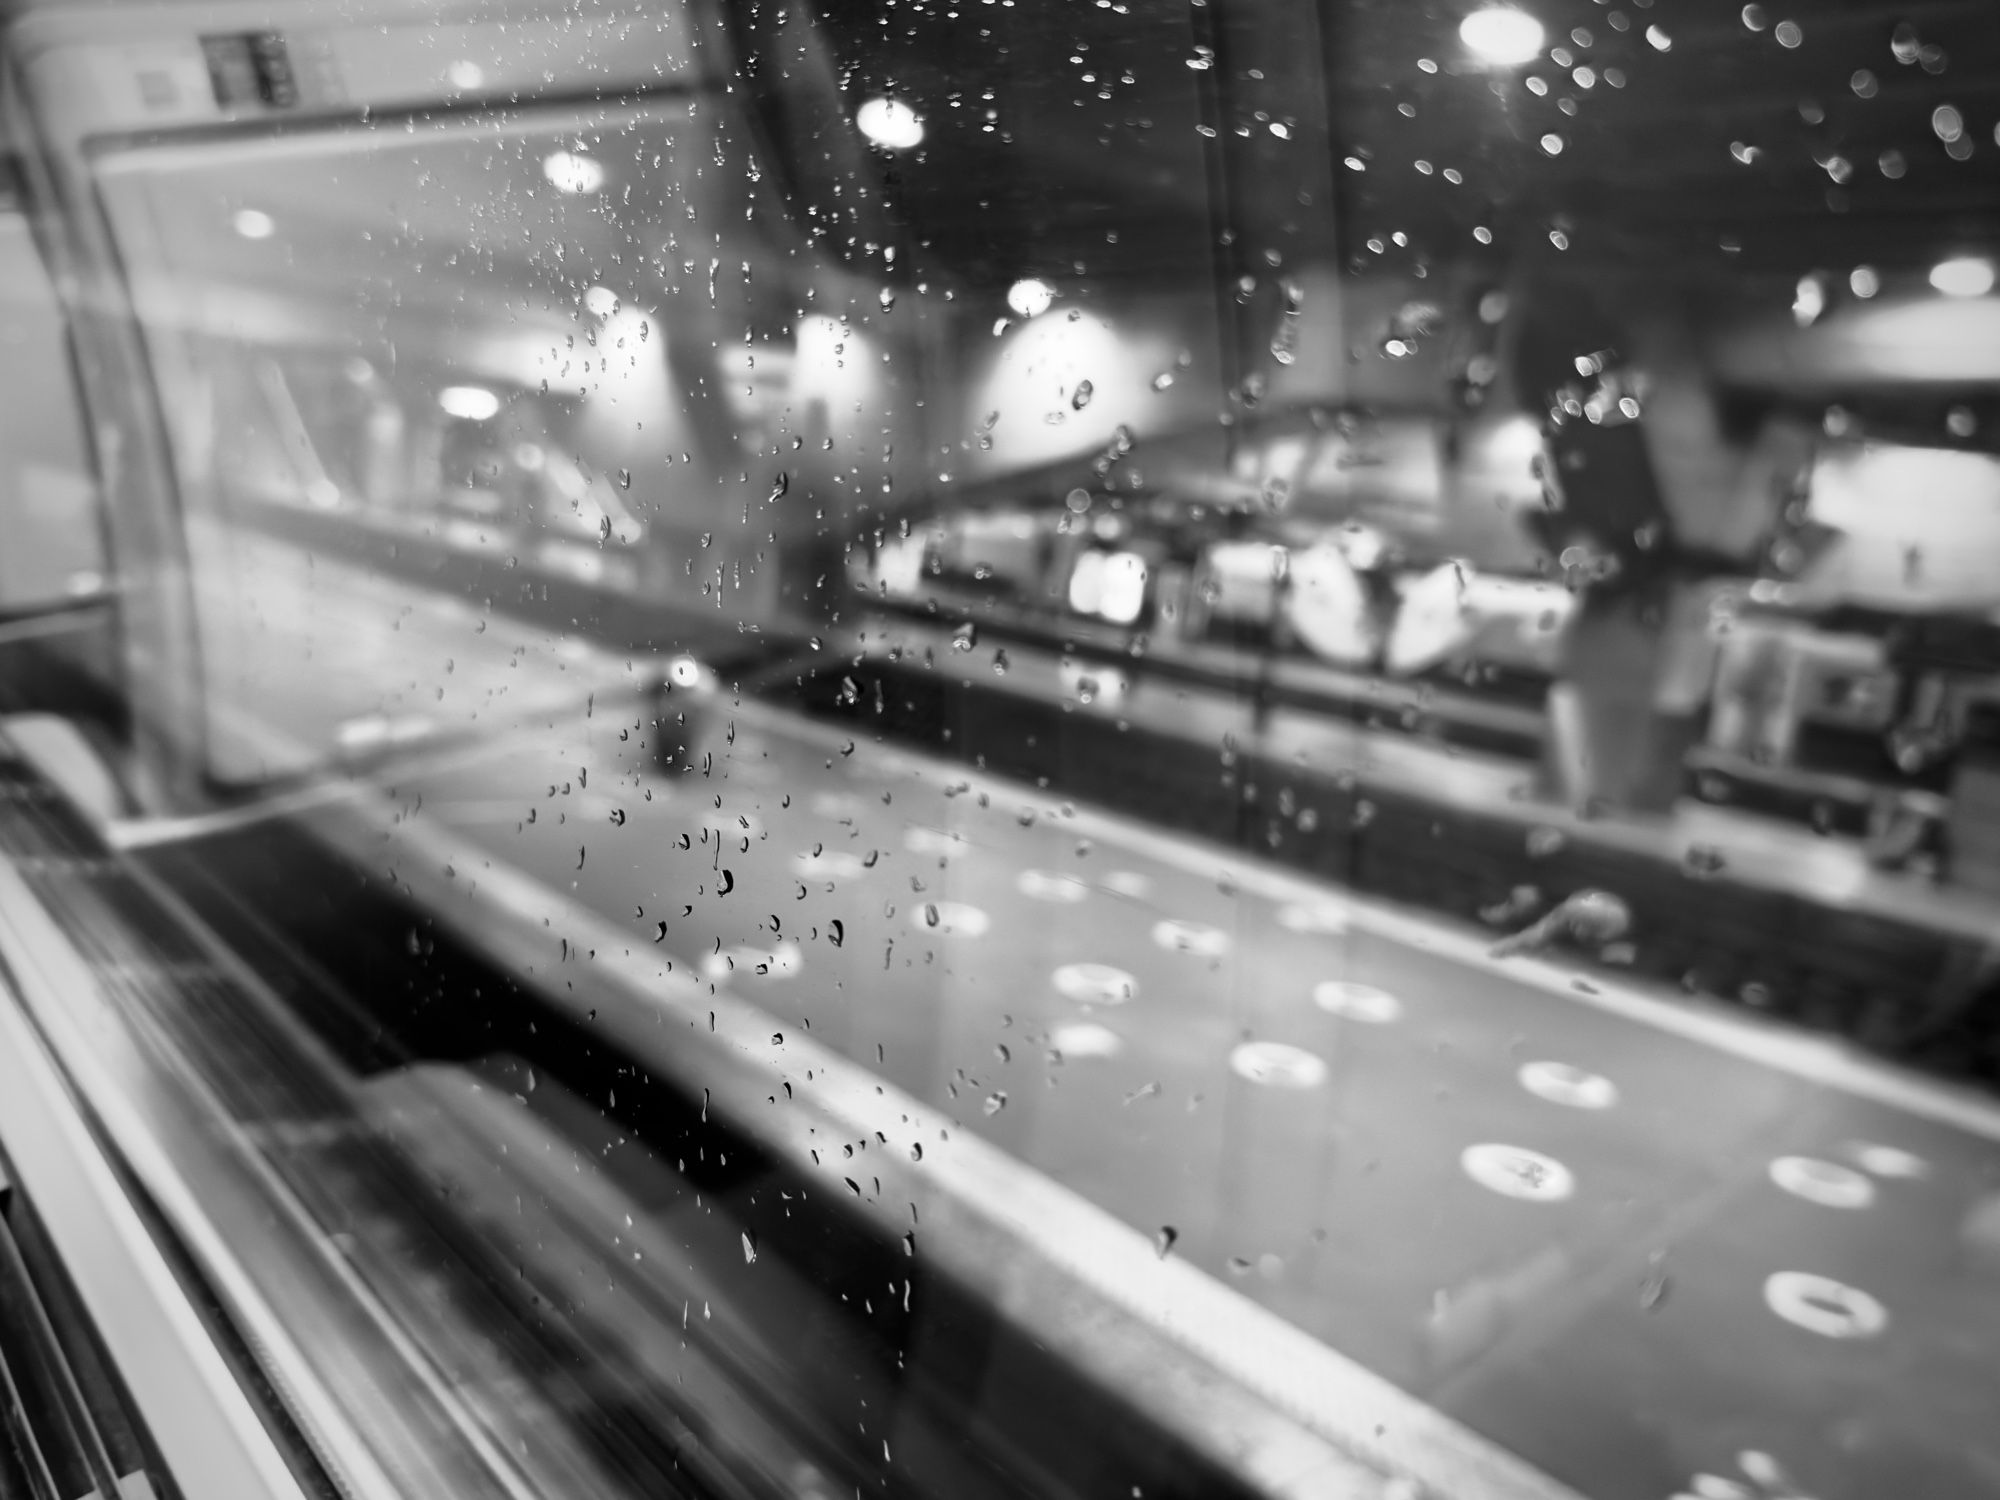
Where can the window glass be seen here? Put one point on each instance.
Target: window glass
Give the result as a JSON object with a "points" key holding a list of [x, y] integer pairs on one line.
{"points": [[1334, 669]]}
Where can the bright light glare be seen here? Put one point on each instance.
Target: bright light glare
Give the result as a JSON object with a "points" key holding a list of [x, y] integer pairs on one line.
{"points": [[1502, 35], [1863, 281], [600, 302], [571, 173], [254, 224], [890, 123], [1030, 296], [1808, 301], [1965, 276], [899, 566], [1111, 585], [472, 402]]}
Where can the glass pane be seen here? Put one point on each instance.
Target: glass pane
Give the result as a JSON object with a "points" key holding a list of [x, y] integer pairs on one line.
{"points": [[986, 703]]}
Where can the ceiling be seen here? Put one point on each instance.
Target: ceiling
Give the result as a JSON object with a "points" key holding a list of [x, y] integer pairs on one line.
{"points": [[1700, 138]]}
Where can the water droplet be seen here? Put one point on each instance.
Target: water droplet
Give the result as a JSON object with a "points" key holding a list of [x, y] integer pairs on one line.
{"points": [[995, 1102], [1081, 397], [965, 637], [1653, 1290], [887, 298], [780, 485], [749, 1248], [1164, 1240]]}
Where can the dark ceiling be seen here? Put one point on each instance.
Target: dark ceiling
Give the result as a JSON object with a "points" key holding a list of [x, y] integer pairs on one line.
{"points": [[1691, 137]]}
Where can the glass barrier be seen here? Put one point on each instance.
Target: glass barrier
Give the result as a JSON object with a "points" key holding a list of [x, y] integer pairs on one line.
{"points": [[1332, 668]]}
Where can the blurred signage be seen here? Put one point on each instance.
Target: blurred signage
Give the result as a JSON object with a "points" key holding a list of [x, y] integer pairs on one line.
{"points": [[112, 69], [250, 68], [1920, 527]]}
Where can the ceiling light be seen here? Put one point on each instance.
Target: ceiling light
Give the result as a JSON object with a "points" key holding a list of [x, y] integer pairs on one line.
{"points": [[1030, 296], [472, 402], [1502, 36], [600, 302], [1963, 276], [571, 173], [254, 224], [890, 123]]}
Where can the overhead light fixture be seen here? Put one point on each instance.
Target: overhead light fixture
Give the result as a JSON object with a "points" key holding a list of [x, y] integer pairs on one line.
{"points": [[1031, 296], [571, 173], [890, 124], [473, 403], [600, 302], [254, 224], [1502, 36], [1963, 276]]}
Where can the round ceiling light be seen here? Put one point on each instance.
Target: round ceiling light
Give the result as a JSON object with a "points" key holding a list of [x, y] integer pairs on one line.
{"points": [[570, 173], [1963, 276], [890, 123], [1502, 36], [470, 403], [1030, 296]]}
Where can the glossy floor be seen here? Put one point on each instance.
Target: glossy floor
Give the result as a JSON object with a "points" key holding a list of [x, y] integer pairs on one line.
{"points": [[1636, 1240]]}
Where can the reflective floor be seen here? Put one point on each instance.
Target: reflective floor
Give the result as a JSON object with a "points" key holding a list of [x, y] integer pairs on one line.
{"points": [[1635, 1238]]}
